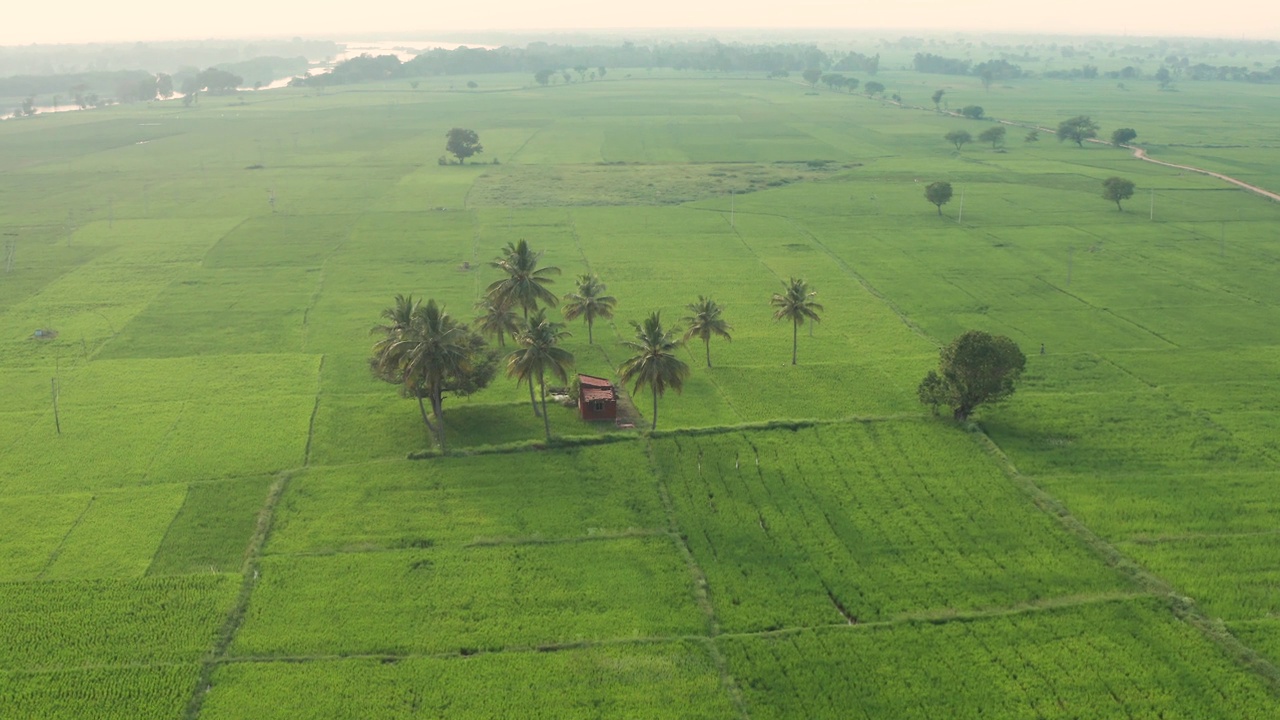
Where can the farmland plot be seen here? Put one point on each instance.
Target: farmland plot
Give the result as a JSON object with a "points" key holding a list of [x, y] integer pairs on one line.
{"points": [[861, 523]]}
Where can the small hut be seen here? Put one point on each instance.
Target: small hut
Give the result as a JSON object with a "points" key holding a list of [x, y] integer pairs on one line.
{"points": [[597, 398]]}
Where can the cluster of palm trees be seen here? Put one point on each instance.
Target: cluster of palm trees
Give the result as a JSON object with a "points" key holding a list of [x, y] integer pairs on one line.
{"points": [[428, 353]]}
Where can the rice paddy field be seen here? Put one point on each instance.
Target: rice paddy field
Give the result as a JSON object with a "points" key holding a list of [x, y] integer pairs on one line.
{"points": [[222, 519]]}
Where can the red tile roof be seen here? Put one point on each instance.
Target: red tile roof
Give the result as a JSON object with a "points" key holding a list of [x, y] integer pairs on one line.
{"points": [[594, 388]]}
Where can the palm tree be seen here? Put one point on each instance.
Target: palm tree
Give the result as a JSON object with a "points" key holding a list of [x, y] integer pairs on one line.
{"points": [[704, 321], [538, 355], [423, 354], [524, 285], [589, 303], [496, 319], [398, 316], [796, 304], [655, 363]]}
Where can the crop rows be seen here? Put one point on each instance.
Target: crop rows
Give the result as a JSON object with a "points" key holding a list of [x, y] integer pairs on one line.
{"points": [[863, 522], [53, 625], [617, 681], [105, 693], [481, 598], [450, 502], [1115, 659]]}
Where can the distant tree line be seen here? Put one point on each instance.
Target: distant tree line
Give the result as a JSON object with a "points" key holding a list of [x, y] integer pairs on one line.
{"points": [[90, 89], [550, 61], [989, 71]]}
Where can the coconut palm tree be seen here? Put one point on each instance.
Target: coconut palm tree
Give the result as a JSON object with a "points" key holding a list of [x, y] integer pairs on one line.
{"points": [[655, 363], [496, 320], [796, 304], [538, 354], [524, 285], [398, 316], [589, 303], [704, 321], [423, 355]]}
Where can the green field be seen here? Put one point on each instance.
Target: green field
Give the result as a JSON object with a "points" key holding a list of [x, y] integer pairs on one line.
{"points": [[228, 524]]}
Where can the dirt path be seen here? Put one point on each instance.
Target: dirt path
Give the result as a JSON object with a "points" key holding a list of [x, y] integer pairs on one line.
{"points": [[1142, 155]]}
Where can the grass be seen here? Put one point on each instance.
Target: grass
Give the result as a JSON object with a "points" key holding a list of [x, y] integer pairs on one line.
{"points": [[871, 560]]}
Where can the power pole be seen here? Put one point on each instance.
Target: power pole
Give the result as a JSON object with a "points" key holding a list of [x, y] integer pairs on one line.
{"points": [[960, 217], [57, 423]]}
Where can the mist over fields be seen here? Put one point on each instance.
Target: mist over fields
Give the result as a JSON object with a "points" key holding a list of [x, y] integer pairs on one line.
{"points": [[928, 374]]}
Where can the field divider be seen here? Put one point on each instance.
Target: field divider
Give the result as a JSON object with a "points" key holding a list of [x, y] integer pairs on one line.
{"points": [[53, 556], [315, 410], [701, 588], [1181, 606], [550, 647], [866, 284], [235, 616]]}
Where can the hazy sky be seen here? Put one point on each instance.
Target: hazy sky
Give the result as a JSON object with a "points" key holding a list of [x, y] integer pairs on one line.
{"points": [[53, 21]]}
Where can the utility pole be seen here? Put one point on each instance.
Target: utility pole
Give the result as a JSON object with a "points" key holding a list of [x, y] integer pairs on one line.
{"points": [[960, 217], [57, 423]]}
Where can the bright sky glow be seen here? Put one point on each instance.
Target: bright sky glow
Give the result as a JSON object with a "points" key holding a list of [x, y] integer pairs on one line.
{"points": [[76, 21]]}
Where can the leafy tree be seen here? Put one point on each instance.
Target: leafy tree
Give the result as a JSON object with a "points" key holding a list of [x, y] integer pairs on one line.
{"points": [[976, 368], [938, 193], [462, 143], [217, 82], [147, 88], [537, 354], [851, 84], [958, 138], [472, 85], [497, 319], [582, 72], [1123, 136], [873, 88], [428, 353], [937, 99], [543, 76], [164, 85], [1077, 129], [524, 285], [812, 76], [994, 135], [589, 303], [973, 112], [1032, 137], [1164, 78], [796, 303], [1116, 189], [601, 71], [705, 320], [567, 77], [833, 80], [655, 364]]}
